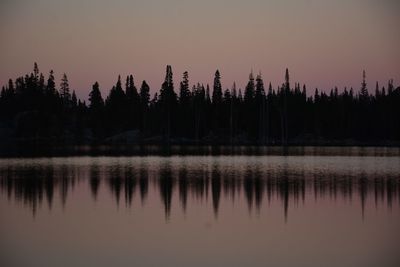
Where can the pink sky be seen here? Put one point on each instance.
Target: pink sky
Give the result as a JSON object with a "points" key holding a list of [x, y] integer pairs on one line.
{"points": [[323, 43]]}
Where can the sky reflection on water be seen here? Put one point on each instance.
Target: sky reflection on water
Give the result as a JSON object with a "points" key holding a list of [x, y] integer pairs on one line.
{"points": [[344, 201]]}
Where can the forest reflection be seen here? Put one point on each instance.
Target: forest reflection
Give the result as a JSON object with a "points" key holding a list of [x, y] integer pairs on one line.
{"points": [[36, 185]]}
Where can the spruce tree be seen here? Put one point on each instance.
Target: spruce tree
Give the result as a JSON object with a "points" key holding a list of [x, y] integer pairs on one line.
{"points": [[64, 90], [144, 103], [364, 95], [51, 85], [261, 107], [96, 110], [74, 99], [95, 98], [168, 101], [249, 91], [184, 93], [217, 89]]}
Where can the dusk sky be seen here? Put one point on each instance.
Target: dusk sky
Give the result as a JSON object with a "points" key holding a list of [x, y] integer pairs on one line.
{"points": [[323, 43]]}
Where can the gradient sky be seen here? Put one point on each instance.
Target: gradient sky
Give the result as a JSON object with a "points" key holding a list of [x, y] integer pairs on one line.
{"points": [[323, 43]]}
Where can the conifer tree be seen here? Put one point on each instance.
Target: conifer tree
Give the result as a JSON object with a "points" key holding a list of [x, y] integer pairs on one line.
{"points": [[95, 98], [144, 103], [74, 99], [260, 105], [168, 100], [51, 85], [217, 89], [116, 108], [249, 91], [64, 90], [96, 110], [184, 93], [364, 95]]}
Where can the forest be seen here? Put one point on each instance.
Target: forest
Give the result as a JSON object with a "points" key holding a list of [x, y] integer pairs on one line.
{"points": [[39, 110]]}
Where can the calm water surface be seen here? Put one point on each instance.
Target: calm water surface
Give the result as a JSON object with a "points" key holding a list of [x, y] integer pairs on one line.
{"points": [[310, 210]]}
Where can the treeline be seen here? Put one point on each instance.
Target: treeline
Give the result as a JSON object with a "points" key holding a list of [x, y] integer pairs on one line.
{"points": [[33, 108]]}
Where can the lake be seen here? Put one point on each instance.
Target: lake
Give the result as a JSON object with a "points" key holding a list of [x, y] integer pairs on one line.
{"points": [[337, 207]]}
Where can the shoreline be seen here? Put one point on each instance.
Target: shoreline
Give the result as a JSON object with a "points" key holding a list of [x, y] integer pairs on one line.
{"points": [[121, 150]]}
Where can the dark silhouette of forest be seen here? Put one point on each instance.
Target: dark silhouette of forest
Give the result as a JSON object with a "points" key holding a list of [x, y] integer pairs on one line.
{"points": [[38, 109]]}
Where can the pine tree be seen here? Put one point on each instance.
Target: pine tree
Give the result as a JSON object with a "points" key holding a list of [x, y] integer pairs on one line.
{"points": [[95, 98], [116, 106], [184, 113], [133, 103], [74, 99], [287, 80], [64, 90], [260, 92], [216, 116], [168, 100], [377, 92], [231, 109], [184, 93], [11, 88], [217, 90], [131, 91], [96, 110], [36, 71], [260, 104], [364, 95], [167, 93], [144, 102], [286, 91], [51, 85], [144, 94], [249, 91]]}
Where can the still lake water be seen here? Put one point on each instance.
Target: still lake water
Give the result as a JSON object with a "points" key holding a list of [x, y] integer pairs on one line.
{"points": [[242, 210]]}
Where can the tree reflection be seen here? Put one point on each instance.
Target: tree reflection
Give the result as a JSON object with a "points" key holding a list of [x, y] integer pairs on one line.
{"points": [[35, 184], [143, 184], [94, 180], [166, 184], [216, 188]]}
